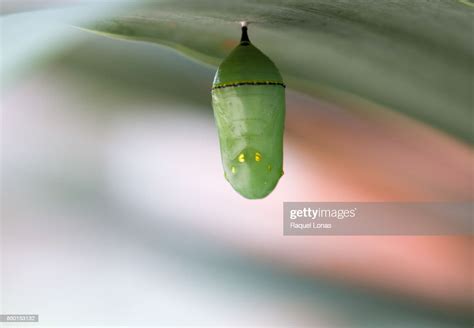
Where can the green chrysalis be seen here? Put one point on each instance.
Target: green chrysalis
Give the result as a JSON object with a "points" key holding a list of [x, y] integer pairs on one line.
{"points": [[248, 98]]}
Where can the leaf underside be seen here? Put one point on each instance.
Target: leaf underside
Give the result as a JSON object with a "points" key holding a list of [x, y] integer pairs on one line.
{"points": [[415, 57]]}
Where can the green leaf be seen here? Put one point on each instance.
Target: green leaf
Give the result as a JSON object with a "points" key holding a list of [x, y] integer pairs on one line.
{"points": [[415, 57]]}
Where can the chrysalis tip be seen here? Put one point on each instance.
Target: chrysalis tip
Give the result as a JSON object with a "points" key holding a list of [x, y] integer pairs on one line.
{"points": [[244, 40]]}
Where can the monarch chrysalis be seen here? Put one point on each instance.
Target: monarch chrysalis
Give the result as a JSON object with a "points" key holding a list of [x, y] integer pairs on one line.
{"points": [[248, 98]]}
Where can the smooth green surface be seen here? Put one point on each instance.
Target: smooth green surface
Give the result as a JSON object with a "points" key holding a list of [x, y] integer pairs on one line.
{"points": [[415, 57], [250, 121], [246, 63]]}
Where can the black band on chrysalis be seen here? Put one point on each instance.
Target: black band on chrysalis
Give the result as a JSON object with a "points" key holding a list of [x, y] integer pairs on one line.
{"points": [[238, 84], [244, 39]]}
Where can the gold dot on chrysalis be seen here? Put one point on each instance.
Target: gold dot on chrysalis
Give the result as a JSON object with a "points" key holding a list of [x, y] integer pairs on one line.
{"points": [[258, 157], [233, 169], [241, 158], [269, 167]]}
